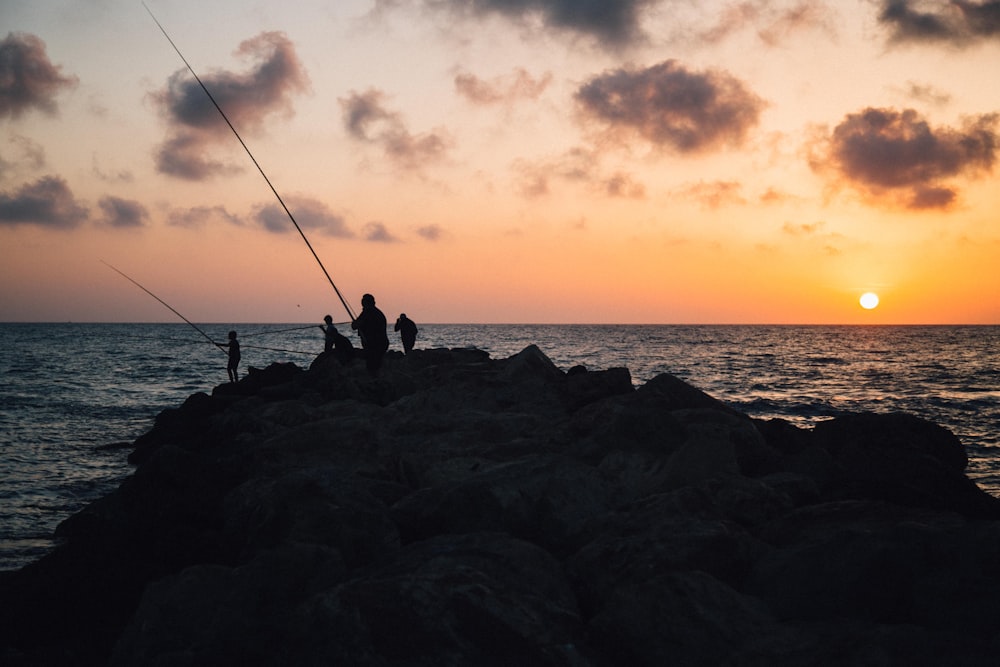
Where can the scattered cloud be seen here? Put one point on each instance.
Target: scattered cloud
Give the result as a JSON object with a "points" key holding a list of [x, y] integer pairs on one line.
{"points": [[898, 155], [377, 233], [926, 94], [48, 202], [611, 23], [575, 165], [955, 22], [773, 24], [195, 125], [199, 216], [28, 79], [623, 185], [672, 107], [120, 176], [775, 196], [310, 214], [519, 85], [367, 119], [122, 213], [802, 229], [715, 194], [580, 166], [28, 156], [430, 232]]}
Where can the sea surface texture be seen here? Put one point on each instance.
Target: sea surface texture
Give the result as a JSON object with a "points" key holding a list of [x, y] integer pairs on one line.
{"points": [[74, 396]]}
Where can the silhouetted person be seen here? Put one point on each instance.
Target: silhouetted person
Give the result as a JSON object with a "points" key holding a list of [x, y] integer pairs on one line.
{"points": [[371, 326], [407, 329], [234, 356], [329, 330], [337, 342]]}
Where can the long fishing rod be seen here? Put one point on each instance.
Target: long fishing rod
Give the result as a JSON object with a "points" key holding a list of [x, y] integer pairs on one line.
{"points": [[256, 164], [210, 340]]}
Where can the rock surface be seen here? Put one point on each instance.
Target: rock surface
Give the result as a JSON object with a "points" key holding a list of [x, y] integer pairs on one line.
{"points": [[460, 510]]}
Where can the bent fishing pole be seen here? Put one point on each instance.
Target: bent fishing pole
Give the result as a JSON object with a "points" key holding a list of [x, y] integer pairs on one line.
{"points": [[254, 160], [121, 273]]}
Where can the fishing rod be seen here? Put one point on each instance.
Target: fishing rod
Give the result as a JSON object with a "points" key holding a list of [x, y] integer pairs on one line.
{"points": [[254, 160], [210, 340]]}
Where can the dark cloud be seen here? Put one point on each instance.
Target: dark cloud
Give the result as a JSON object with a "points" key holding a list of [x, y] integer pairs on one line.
{"points": [[613, 23], [503, 89], [954, 22], [672, 107], [247, 99], [378, 233], [199, 216], [367, 119], [897, 154], [118, 212], [430, 232], [28, 80], [310, 214], [185, 155], [48, 202]]}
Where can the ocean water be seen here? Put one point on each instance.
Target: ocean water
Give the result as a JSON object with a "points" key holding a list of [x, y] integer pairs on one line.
{"points": [[73, 396]]}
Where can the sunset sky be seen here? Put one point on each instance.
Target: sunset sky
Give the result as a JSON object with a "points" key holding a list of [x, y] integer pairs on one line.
{"points": [[522, 161]]}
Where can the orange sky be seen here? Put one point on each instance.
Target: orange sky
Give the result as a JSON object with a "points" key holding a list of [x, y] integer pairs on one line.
{"points": [[660, 161]]}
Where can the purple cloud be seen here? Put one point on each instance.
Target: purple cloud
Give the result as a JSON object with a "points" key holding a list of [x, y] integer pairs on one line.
{"points": [[672, 107], [48, 202], [898, 154], [248, 99], [28, 80]]}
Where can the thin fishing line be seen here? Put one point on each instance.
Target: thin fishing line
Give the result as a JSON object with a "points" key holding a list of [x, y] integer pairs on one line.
{"points": [[275, 331], [277, 349], [254, 160], [164, 303], [170, 339]]}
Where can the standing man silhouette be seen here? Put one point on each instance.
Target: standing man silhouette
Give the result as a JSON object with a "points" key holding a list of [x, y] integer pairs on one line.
{"points": [[234, 356], [371, 324]]}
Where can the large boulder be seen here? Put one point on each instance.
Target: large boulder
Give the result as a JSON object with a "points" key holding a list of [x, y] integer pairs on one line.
{"points": [[457, 510]]}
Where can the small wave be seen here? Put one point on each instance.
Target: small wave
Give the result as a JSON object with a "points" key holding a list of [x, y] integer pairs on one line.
{"points": [[826, 361]]}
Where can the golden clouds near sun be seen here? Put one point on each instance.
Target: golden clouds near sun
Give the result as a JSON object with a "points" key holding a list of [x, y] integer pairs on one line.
{"points": [[869, 300]]}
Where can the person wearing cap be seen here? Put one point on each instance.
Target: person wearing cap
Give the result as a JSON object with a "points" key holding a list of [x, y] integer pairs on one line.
{"points": [[407, 329], [337, 342]]}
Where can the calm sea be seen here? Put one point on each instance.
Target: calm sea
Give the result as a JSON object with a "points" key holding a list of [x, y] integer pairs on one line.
{"points": [[69, 389]]}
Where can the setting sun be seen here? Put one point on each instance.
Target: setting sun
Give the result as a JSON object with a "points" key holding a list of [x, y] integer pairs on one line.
{"points": [[869, 300]]}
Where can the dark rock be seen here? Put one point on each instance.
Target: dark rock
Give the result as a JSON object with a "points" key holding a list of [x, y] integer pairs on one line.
{"points": [[680, 618], [477, 598], [903, 459], [458, 510]]}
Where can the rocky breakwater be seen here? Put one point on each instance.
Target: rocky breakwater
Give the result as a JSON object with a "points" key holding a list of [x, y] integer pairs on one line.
{"points": [[459, 510]]}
